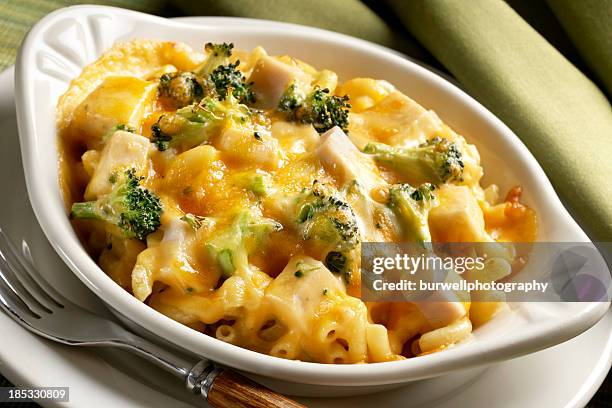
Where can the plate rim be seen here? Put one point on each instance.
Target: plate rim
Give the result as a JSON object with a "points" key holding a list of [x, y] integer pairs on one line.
{"points": [[311, 373]]}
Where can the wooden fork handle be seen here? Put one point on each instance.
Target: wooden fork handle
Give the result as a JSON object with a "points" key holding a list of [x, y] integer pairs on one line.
{"points": [[232, 390]]}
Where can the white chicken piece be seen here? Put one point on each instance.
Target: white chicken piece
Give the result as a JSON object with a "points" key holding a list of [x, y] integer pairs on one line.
{"points": [[441, 309], [396, 120], [458, 218], [168, 261], [124, 150], [343, 161], [118, 100], [271, 77], [358, 173], [305, 288], [308, 298]]}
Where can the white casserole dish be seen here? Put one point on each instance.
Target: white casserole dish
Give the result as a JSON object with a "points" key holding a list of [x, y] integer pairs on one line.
{"points": [[63, 42]]}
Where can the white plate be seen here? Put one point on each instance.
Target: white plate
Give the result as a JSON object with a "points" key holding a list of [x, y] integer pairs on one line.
{"points": [[563, 376], [64, 41]]}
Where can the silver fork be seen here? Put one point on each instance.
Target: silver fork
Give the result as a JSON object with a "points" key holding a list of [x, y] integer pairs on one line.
{"points": [[34, 304]]}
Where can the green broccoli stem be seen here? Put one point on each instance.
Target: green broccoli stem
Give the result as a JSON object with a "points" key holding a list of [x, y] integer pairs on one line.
{"points": [[218, 54], [231, 246], [226, 262], [132, 208], [87, 209], [412, 206], [195, 124], [404, 161], [437, 160]]}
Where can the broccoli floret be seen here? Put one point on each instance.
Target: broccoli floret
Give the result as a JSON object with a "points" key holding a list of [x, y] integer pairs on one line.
{"points": [[218, 54], [219, 50], [231, 247], [188, 127], [329, 222], [435, 161], [227, 78], [325, 111], [411, 206], [324, 216], [129, 206], [180, 89], [219, 76], [291, 100], [319, 108], [195, 124]]}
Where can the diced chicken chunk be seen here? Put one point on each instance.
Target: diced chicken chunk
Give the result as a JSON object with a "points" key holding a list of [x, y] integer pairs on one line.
{"points": [[122, 151], [442, 307], [458, 218], [399, 106], [118, 100], [270, 78], [423, 128], [395, 120], [441, 311], [305, 288], [169, 261], [343, 161], [308, 299]]}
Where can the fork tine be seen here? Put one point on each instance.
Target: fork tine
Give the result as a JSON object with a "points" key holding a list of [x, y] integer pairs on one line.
{"points": [[9, 275], [26, 272], [28, 264], [10, 299]]}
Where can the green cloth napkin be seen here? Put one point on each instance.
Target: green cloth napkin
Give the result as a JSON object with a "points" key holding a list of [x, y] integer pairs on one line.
{"points": [[588, 23], [562, 117], [534, 70]]}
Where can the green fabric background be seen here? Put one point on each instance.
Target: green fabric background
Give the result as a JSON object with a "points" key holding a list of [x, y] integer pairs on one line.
{"points": [[589, 26], [543, 67]]}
